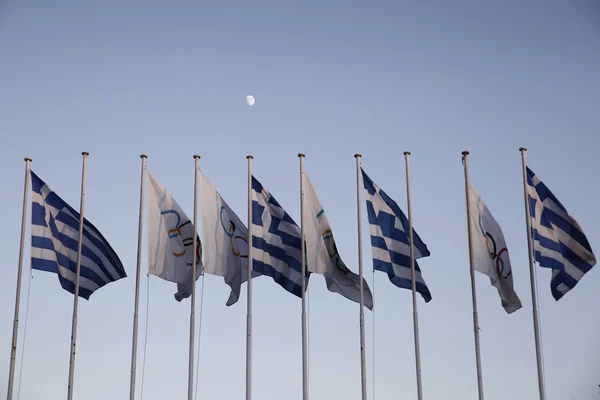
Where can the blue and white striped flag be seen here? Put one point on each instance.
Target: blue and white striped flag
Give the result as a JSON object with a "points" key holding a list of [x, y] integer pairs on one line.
{"points": [[390, 243], [54, 242], [275, 241], [558, 241]]}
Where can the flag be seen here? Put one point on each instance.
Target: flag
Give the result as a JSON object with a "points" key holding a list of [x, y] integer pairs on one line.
{"points": [[322, 254], [225, 240], [558, 241], [490, 253], [55, 241], [275, 241], [390, 243], [171, 241]]}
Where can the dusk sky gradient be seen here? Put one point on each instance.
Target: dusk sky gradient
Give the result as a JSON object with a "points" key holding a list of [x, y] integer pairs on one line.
{"points": [[330, 78]]}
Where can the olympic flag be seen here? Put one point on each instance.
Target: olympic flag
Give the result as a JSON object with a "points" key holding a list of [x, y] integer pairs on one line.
{"points": [[490, 253], [225, 240], [323, 257], [170, 241]]}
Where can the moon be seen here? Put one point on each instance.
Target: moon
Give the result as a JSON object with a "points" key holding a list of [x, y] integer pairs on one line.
{"points": [[250, 100]]}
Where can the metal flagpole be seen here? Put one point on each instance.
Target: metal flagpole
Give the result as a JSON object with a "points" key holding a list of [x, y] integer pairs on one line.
{"points": [[137, 284], [193, 299], [473, 291], [77, 273], [363, 371], [13, 349], [302, 249], [414, 280], [249, 301], [536, 326]]}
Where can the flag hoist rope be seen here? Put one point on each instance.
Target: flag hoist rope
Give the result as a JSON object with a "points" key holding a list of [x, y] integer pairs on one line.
{"points": [[24, 332], [199, 335], [145, 335], [373, 366]]}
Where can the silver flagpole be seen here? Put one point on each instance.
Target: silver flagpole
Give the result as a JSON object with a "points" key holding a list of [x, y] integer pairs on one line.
{"points": [[13, 349], [193, 299], [302, 249], [76, 296], [363, 362], [536, 326], [137, 284], [473, 291], [249, 301], [414, 280]]}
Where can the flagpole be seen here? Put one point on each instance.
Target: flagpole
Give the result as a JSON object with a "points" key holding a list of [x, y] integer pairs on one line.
{"points": [[249, 301], [193, 299], [473, 291], [536, 327], [77, 273], [137, 284], [414, 280], [302, 249], [13, 349], [363, 371]]}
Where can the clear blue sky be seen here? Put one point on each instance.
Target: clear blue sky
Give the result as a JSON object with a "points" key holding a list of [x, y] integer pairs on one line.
{"points": [[331, 78]]}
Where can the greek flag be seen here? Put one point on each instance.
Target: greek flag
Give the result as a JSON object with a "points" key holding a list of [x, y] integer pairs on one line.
{"points": [[275, 241], [54, 242], [558, 241], [390, 243]]}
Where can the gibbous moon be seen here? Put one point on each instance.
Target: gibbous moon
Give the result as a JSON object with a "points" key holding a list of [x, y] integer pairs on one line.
{"points": [[250, 100]]}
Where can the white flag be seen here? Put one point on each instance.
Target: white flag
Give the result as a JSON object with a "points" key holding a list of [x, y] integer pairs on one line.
{"points": [[322, 254], [490, 254], [225, 240], [170, 241]]}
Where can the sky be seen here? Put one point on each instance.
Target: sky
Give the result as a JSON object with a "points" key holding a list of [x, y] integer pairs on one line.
{"points": [[330, 78]]}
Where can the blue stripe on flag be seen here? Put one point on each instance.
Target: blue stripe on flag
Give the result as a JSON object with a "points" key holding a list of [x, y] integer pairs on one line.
{"points": [[55, 227], [280, 245], [388, 226], [558, 241]]}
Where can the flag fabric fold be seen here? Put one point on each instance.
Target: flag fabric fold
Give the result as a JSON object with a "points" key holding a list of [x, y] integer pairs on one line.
{"points": [[225, 240], [55, 241], [559, 242], [322, 254], [276, 241], [390, 242], [171, 240], [490, 252]]}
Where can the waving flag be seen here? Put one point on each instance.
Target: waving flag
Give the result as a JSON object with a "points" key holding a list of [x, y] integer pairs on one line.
{"points": [[390, 243], [54, 244], [171, 241], [225, 240], [490, 253], [276, 241], [322, 254], [558, 241]]}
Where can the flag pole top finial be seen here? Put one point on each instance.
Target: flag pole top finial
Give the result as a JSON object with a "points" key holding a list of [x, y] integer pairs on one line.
{"points": [[407, 153], [465, 153], [357, 155], [196, 156], [522, 149], [249, 156], [301, 155], [85, 153], [143, 156], [27, 159]]}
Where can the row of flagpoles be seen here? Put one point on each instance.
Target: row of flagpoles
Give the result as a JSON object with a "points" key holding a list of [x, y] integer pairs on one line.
{"points": [[387, 223]]}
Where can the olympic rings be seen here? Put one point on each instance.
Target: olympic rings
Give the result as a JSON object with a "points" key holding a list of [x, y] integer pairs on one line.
{"points": [[228, 232], [498, 267], [238, 254], [494, 253], [174, 232]]}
